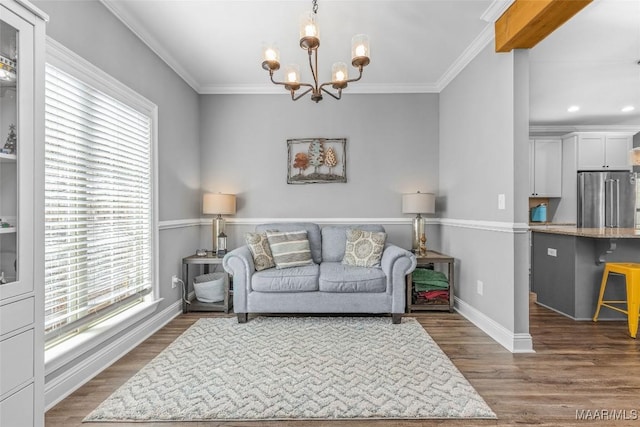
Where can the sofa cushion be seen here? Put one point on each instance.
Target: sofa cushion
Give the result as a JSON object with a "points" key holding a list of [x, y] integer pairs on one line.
{"points": [[338, 277], [295, 279], [260, 250], [313, 234], [364, 248], [334, 239], [289, 248]]}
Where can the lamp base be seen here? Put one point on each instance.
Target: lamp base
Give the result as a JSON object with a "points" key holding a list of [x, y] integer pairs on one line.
{"points": [[218, 227], [416, 232]]}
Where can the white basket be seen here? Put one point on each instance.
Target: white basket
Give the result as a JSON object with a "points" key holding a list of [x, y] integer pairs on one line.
{"points": [[210, 287]]}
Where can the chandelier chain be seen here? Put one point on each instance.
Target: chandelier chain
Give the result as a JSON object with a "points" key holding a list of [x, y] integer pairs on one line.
{"points": [[315, 7]]}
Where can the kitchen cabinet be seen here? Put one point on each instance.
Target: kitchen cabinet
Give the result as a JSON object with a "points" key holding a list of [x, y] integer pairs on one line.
{"points": [[602, 151], [545, 167], [21, 218], [584, 151], [565, 277]]}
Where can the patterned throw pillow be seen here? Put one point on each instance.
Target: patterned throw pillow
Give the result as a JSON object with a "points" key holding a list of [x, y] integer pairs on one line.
{"points": [[364, 248], [259, 247], [290, 248]]}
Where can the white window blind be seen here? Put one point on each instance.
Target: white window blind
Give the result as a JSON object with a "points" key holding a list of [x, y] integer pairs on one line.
{"points": [[98, 204]]}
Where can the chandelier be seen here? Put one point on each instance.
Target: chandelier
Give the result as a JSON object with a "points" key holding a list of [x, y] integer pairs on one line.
{"points": [[310, 40]]}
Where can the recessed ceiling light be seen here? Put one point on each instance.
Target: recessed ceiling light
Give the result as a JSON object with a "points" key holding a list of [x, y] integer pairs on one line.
{"points": [[573, 109], [627, 108]]}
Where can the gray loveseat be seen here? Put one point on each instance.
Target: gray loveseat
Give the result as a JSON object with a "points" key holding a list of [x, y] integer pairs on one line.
{"points": [[327, 286]]}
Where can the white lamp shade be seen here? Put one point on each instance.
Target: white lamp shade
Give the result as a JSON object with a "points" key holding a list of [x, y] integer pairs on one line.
{"points": [[417, 203], [223, 204]]}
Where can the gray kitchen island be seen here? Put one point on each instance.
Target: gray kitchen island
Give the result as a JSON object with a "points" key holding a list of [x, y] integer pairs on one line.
{"points": [[567, 265]]}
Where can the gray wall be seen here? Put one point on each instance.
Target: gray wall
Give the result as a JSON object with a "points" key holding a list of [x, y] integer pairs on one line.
{"points": [[91, 31], [483, 153], [392, 148]]}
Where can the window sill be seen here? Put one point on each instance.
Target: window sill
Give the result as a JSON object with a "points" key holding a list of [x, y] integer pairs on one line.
{"points": [[65, 352]]}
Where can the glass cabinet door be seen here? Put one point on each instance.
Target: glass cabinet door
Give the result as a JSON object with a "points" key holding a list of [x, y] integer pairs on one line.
{"points": [[8, 157], [16, 155]]}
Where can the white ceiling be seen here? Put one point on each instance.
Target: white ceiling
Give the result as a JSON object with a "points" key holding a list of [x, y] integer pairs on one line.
{"points": [[591, 61], [416, 46]]}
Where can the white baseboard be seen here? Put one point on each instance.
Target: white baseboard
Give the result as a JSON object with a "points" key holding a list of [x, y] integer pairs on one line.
{"points": [[515, 343], [88, 368]]}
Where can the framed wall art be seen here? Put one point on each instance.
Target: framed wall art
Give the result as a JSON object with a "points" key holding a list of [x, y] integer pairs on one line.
{"points": [[316, 160]]}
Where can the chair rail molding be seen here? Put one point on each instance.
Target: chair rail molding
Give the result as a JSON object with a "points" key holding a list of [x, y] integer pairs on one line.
{"points": [[179, 223], [505, 227]]}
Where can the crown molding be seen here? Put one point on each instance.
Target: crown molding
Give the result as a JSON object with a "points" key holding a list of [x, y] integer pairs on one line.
{"points": [[476, 46], [33, 9], [495, 10], [136, 28]]}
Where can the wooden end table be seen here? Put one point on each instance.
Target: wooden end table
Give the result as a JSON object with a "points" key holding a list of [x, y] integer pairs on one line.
{"points": [[195, 305], [431, 257]]}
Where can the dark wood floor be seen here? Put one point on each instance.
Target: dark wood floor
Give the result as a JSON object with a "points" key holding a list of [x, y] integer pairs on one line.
{"points": [[578, 367]]}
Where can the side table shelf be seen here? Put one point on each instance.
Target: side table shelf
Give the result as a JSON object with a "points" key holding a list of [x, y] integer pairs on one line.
{"points": [[431, 257], [196, 305]]}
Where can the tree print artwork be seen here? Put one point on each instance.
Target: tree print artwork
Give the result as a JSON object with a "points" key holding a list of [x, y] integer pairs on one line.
{"points": [[316, 154], [307, 156], [330, 159], [301, 162]]}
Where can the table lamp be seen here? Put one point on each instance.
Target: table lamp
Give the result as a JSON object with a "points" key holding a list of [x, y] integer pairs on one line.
{"points": [[418, 203], [219, 204]]}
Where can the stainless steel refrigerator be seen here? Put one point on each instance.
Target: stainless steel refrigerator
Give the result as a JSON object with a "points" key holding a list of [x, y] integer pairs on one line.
{"points": [[606, 199]]}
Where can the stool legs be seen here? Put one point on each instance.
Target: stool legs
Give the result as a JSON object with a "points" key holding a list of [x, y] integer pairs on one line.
{"points": [[633, 302], [603, 285]]}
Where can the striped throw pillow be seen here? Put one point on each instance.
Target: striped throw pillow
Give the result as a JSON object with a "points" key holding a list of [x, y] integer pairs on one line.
{"points": [[290, 248]]}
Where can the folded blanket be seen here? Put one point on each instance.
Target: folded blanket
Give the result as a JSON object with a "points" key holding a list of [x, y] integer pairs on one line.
{"points": [[428, 280], [435, 286]]}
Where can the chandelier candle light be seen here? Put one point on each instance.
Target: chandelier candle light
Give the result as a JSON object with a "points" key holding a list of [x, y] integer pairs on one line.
{"points": [[417, 203], [310, 40], [219, 204]]}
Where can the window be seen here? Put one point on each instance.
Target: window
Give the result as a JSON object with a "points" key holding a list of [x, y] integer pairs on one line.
{"points": [[99, 227]]}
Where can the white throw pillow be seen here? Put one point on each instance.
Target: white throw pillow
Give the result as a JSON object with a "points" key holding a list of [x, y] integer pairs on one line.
{"points": [[364, 248]]}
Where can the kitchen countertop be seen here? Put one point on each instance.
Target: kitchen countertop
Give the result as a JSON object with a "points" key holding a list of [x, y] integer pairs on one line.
{"points": [[549, 223], [597, 233]]}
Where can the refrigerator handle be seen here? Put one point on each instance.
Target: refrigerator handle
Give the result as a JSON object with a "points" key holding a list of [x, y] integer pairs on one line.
{"points": [[608, 199], [617, 202]]}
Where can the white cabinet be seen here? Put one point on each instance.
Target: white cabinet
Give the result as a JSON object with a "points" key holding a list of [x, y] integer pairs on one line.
{"points": [[545, 167], [604, 151], [21, 218]]}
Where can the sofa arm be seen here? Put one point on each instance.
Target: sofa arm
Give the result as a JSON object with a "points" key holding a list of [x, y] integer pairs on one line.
{"points": [[239, 263], [396, 264]]}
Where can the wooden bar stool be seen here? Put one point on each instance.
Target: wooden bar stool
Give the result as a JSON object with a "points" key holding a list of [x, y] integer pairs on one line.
{"points": [[631, 271]]}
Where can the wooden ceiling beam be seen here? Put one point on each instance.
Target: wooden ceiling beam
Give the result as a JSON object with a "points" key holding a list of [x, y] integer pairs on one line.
{"points": [[527, 22]]}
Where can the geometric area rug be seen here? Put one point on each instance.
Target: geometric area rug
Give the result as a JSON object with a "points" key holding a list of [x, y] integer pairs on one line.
{"points": [[296, 368]]}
